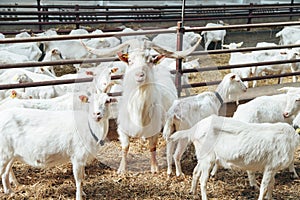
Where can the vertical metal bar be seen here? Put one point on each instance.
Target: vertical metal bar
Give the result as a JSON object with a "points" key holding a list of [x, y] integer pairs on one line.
{"points": [[182, 12], [39, 15], [77, 16], [291, 9], [106, 15], [180, 32], [250, 15]]}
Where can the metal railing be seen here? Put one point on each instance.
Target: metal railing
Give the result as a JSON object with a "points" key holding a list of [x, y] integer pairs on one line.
{"points": [[179, 71], [82, 15]]}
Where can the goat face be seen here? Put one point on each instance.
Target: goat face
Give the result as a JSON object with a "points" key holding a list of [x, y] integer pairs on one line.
{"points": [[292, 104], [98, 106], [236, 86]]}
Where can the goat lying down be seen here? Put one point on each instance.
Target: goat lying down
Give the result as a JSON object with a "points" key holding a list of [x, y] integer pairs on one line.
{"points": [[263, 147], [77, 140]]}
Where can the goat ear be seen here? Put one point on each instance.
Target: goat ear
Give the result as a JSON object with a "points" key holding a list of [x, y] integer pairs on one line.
{"points": [[240, 44], [123, 57], [232, 76], [54, 51], [13, 94], [158, 58]]}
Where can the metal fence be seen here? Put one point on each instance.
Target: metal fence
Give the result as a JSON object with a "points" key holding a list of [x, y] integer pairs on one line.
{"points": [[179, 71], [43, 16]]}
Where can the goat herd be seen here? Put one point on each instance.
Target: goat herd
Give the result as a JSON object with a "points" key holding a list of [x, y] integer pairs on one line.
{"points": [[262, 136]]}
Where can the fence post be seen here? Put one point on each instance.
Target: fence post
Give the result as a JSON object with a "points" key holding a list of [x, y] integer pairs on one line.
{"points": [[77, 16], [180, 32], [291, 9], [250, 15], [39, 14]]}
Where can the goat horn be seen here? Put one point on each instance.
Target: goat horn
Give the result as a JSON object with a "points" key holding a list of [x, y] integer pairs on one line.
{"points": [[105, 51], [175, 54]]}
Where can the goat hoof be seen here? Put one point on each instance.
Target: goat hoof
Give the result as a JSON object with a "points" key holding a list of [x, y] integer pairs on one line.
{"points": [[294, 176], [154, 169]]}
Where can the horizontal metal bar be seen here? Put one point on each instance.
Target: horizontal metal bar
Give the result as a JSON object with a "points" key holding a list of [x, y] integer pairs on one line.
{"points": [[45, 83], [223, 67], [60, 62], [73, 37], [201, 84], [248, 49], [145, 32]]}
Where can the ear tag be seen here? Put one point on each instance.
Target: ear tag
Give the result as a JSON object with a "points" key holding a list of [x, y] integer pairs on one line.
{"points": [[123, 57]]}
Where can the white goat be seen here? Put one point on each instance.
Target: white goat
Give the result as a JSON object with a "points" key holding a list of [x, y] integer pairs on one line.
{"points": [[30, 50], [68, 101], [288, 35], [77, 140], [270, 109], [148, 92], [240, 58], [52, 55], [23, 76], [214, 36], [270, 55], [186, 112], [275, 108], [166, 40], [266, 148]]}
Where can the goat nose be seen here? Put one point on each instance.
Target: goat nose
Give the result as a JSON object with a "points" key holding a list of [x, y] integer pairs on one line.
{"points": [[97, 113], [140, 74], [285, 114]]}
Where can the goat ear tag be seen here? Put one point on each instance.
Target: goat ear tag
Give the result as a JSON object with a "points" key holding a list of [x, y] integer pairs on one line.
{"points": [[298, 130], [114, 70], [83, 98], [123, 57]]}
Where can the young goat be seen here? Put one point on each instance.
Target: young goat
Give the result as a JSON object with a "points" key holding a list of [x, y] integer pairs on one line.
{"points": [[50, 142], [186, 112], [265, 147]]}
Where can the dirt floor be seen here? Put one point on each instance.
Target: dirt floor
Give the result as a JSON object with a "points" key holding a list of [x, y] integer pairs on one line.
{"points": [[102, 181]]}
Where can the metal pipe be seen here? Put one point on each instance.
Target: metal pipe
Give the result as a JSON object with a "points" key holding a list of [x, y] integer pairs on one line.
{"points": [[201, 84], [145, 32], [180, 32]]}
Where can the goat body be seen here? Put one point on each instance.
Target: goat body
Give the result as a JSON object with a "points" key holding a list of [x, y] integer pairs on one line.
{"points": [[233, 144]]}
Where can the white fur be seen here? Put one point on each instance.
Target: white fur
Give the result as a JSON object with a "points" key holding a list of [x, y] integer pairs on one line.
{"points": [[68, 101], [51, 143], [266, 148], [213, 36], [186, 112], [288, 35], [148, 93], [240, 58]]}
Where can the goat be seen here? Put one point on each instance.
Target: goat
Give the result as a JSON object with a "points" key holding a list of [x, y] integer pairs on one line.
{"points": [[51, 143], [233, 144], [270, 109], [240, 58], [186, 112], [214, 36]]}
